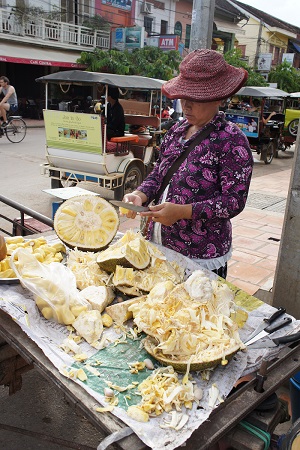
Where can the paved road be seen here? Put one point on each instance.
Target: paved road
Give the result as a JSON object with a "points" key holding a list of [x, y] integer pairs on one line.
{"points": [[40, 406], [21, 178]]}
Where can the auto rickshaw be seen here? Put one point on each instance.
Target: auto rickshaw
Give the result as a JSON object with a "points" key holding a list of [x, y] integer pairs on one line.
{"points": [[292, 116], [76, 146], [266, 139]]}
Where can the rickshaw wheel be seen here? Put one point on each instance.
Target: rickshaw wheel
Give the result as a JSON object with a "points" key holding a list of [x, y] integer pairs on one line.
{"points": [[268, 152], [293, 127], [132, 179]]}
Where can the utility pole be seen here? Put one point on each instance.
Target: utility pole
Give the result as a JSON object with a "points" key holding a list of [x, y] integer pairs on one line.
{"points": [[202, 24], [286, 289], [258, 44]]}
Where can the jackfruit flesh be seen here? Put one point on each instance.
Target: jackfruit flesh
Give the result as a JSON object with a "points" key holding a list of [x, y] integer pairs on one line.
{"points": [[87, 222]]}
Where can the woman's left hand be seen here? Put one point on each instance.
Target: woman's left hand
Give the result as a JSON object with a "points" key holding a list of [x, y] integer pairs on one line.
{"points": [[168, 213]]}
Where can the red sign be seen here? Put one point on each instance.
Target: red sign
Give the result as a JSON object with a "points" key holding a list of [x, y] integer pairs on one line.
{"points": [[168, 42], [41, 62]]}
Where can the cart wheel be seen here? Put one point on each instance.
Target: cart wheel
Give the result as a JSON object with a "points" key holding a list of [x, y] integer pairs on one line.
{"points": [[55, 184], [132, 179], [269, 151]]}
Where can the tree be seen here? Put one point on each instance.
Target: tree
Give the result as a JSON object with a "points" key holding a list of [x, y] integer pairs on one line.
{"points": [[233, 57], [286, 77], [148, 62]]}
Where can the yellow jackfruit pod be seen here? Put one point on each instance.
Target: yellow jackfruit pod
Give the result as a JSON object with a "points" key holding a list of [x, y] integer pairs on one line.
{"points": [[107, 320], [47, 312], [9, 273], [64, 315]]}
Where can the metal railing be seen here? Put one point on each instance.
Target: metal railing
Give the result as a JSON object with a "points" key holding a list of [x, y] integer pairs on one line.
{"points": [[19, 226], [51, 32]]}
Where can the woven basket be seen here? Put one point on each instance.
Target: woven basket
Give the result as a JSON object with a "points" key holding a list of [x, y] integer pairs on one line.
{"points": [[181, 366]]}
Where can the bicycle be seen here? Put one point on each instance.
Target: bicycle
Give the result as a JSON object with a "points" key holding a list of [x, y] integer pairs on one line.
{"points": [[15, 129]]}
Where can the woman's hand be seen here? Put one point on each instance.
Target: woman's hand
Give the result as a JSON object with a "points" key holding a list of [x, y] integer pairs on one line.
{"points": [[168, 213]]}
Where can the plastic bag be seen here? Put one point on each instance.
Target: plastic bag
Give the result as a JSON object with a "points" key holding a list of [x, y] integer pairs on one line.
{"points": [[53, 286]]}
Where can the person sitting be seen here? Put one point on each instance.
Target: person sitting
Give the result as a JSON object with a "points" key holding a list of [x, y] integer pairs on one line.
{"points": [[235, 103], [9, 101], [115, 115], [256, 107]]}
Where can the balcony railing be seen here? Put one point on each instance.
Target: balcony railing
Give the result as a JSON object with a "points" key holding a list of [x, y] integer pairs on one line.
{"points": [[52, 33]]}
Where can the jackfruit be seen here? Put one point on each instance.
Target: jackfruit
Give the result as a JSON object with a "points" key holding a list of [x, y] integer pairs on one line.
{"points": [[87, 222]]}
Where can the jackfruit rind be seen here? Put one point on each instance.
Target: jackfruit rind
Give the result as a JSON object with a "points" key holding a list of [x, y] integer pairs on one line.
{"points": [[87, 222], [181, 365]]}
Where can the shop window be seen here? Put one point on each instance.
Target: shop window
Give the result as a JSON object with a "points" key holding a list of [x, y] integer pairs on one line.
{"points": [[187, 36], [148, 22], [163, 27], [178, 29]]}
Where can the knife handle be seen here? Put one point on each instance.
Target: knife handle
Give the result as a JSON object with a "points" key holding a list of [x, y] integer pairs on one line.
{"points": [[276, 326], [274, 316], [285, 339]]}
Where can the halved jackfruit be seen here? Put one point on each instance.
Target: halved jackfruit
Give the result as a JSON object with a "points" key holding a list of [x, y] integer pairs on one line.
{"points": [[87, 222], [132, 253]]}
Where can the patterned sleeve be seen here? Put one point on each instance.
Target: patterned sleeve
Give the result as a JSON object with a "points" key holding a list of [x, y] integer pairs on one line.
{"points": [[235, 163]]}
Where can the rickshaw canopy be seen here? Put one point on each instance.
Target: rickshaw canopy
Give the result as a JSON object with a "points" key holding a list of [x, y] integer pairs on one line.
{"points": [[82, 77], [257, 91]]}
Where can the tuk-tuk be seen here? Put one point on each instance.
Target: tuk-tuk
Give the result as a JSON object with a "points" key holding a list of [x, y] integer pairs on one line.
{"points": [[266, 139], [76, 146], [292, 116]]}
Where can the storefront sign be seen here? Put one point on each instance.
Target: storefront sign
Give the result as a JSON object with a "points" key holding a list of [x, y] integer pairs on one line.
{"points": [[120, 4], [168, 42], [41, 62], [288, 57], [264, 61]]}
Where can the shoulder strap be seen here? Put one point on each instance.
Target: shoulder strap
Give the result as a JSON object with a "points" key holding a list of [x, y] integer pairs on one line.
{"points": [[177, 163]]}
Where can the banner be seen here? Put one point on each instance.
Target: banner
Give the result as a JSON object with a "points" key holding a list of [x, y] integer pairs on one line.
{"points": [[78, 132]]}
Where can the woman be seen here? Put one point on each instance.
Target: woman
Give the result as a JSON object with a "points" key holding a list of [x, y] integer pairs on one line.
{"points": [[192, 215]]}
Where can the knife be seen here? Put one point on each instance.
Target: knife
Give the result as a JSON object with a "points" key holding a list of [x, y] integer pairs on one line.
{"points": [[267, 342], [130, 206], [266, 322], [269, 329]]}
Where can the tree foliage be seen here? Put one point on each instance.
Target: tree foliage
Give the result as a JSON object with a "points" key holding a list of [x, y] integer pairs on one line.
{"points": [[286, 77], [96, 22], [233, 57], [148, 62]]}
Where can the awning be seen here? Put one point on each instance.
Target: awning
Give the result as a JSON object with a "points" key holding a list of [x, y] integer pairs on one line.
{"points": [[39, 56], [228, 27], [297, 46]]}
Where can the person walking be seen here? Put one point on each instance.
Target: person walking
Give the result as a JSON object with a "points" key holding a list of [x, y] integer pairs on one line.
{"points": [[9, 102], [202, 176]]}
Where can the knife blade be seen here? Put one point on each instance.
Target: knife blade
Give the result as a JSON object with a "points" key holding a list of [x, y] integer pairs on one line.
{"points": [[266, 322], [267, 342], [130, 206], [270, 329]]}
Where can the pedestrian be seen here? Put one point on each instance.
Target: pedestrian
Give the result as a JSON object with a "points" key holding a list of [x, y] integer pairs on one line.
{"points": [[115, 115], [195, 201], [9, 102]]}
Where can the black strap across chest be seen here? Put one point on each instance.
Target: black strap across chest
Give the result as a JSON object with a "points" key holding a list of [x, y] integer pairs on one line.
{"points": [[177, 163]]}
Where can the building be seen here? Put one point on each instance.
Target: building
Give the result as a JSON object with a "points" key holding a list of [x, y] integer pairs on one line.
{"points": [[267, 39], [37, 41]]}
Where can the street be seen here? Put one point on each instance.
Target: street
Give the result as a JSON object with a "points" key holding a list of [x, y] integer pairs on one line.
{"points": [[21, 179], [40, 406]]}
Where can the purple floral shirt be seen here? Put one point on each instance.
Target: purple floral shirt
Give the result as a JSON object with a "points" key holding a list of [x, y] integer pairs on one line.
{"points": [[214, 178]]}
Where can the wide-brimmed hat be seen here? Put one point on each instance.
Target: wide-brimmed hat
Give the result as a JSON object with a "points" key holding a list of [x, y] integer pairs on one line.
{"points": [[205, 76]]}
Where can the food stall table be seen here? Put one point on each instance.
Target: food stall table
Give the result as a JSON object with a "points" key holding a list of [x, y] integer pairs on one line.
{"points": [[221, 420]]}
